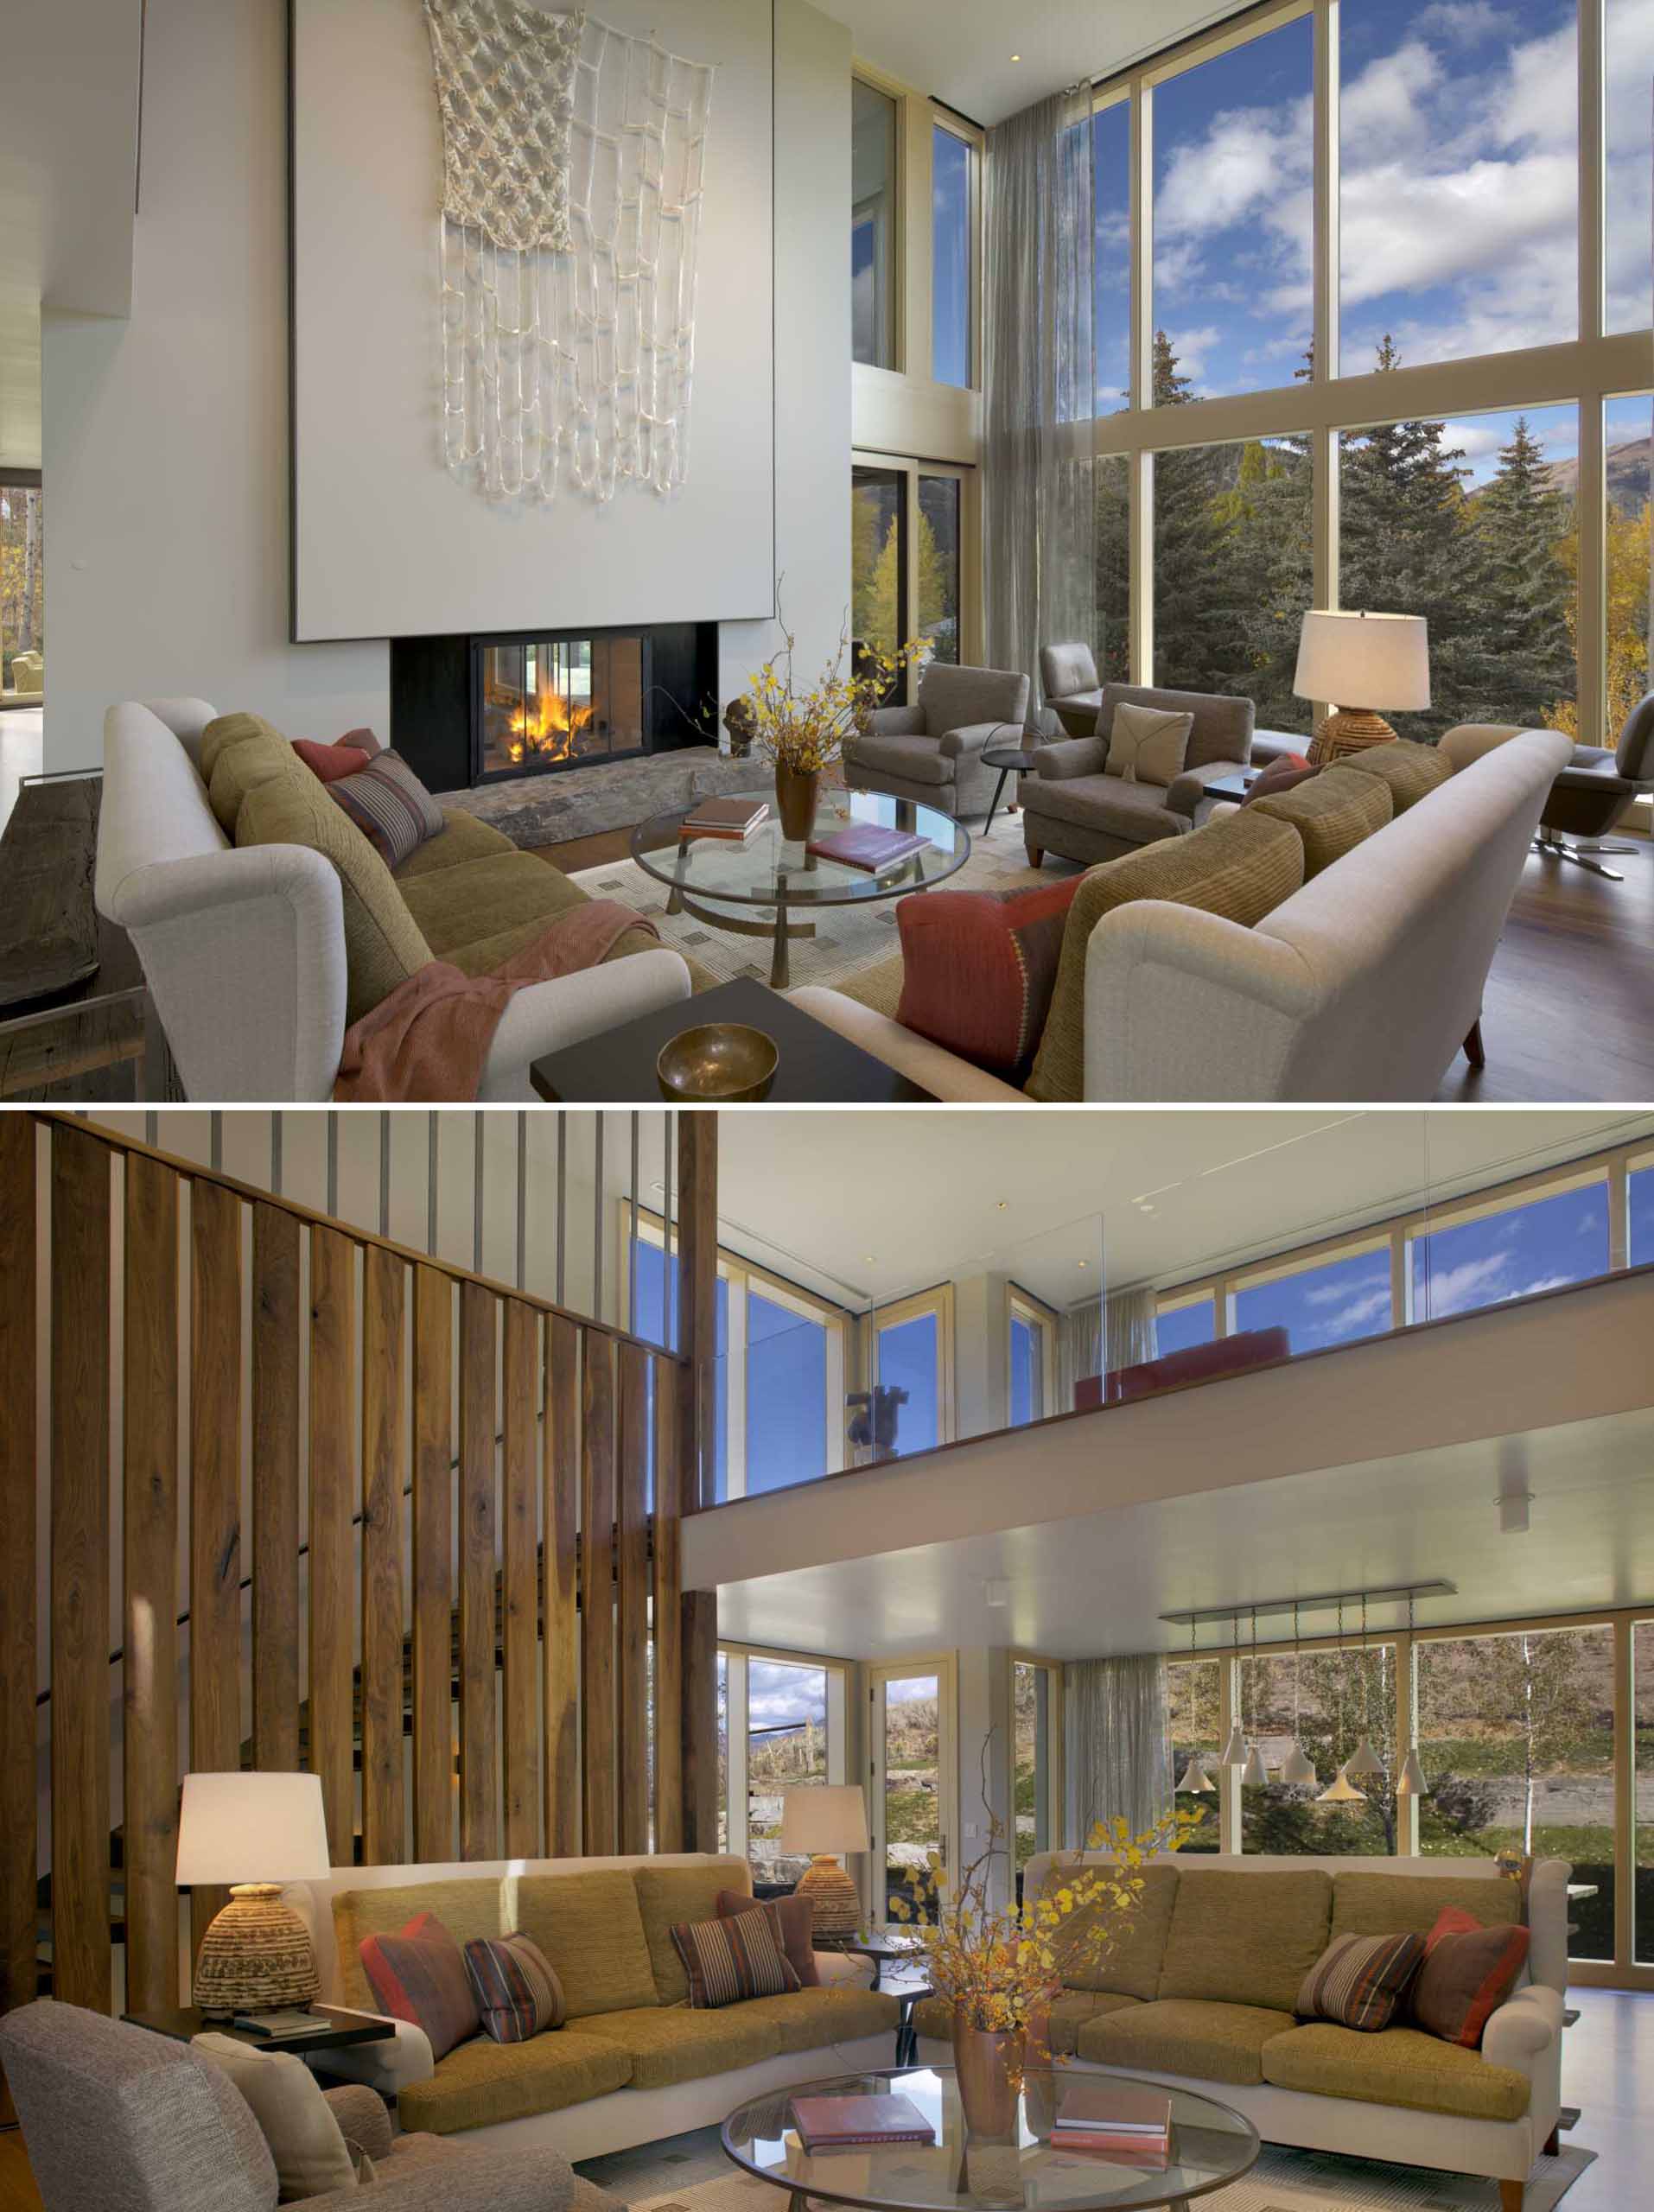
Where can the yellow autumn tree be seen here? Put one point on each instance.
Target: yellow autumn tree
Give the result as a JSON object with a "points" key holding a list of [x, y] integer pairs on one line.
{"points": [[1627, 611]]}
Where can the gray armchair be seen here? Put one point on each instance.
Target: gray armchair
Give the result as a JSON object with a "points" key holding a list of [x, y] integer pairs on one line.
{"points": [[1072, 688], [1594, 791], [119, 2118], [932, 752], [1073, 808]]}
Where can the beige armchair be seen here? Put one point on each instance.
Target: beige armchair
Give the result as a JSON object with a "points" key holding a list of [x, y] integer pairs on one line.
{"points": [[1074, 807], [931, 753]]}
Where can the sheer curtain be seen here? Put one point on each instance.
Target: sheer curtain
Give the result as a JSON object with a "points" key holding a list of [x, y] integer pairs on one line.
{"points": [[1039, 382], [1119, 1762], [1080, 1338]]}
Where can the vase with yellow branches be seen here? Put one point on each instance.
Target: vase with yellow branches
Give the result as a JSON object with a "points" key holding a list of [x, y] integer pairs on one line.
{"points": [[804, 730], [999, 1967]]}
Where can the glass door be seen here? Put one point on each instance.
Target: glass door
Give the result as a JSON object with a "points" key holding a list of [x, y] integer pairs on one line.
{"points": [[912, 1777], [878, 561]]}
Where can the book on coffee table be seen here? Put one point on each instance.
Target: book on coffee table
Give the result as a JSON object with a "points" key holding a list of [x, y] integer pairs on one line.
{"points": [[735, 819], [826, 2122], [1115, 2118], [865, 845]]}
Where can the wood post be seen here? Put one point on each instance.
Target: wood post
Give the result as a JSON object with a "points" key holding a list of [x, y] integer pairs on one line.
{"points": [[519, 1593], [561, 1650], [433, 1568], [385, 1473], [276, 1627], [600, 1825], [19, 1538], [479, 1735]]}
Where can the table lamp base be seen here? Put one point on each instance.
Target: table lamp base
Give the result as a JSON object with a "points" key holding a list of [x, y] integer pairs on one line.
{"points": [[1349, 729], [836, 1900], [256, 1955]]}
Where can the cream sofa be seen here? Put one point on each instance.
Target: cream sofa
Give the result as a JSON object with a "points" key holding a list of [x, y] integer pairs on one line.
{"points": [[244, 946], [633, 2064], [1200, 1992], [1363, 984]]}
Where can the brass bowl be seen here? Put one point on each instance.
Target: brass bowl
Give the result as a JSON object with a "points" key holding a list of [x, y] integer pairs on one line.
{"points": [[723, 1061]]}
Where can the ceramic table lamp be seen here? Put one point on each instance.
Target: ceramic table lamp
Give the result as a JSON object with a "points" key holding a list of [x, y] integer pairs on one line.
{"points": [[255, 1832], [824, 1821], [1367, 661]]}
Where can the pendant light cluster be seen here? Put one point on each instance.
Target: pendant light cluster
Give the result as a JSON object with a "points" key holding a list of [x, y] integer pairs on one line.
{"points": [[1299, 1769], [1195, 1780]]}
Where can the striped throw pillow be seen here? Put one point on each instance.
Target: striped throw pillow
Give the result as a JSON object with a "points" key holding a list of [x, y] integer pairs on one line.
{"points": [[727, 1961], [517, 1990], [389, 806], [1359, 1981], [418, 1975]]}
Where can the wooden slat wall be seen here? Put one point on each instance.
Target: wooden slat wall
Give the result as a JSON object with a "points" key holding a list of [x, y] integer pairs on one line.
{"points": [[563, 1573], [560, 1644], [519, 1593], [597, 1714], [19, 1548], [276, 1624], [384, 1474], [215, 1501], [149, 1533], [632, 1596], [479, 1736]]}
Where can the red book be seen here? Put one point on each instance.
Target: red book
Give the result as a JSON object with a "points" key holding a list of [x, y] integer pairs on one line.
{"points": [[864, 845], [824, 2123]]}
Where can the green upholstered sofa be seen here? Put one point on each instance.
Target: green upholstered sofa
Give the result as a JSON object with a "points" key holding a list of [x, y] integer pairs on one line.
{"points": [[1201, 1989], [633, 2061]]}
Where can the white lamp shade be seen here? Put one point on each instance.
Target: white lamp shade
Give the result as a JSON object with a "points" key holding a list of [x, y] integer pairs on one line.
{"points": [[1255, 1774], [1195, 1778], [1341, 1790], [1299, 1768], [1234, 1751], [1364, 1762], [251, 1828], [1364, 660], [832, 1817], [1410, 1783]]}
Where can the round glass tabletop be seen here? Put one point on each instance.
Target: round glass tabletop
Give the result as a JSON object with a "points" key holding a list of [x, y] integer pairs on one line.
{"points": [[766, 868], [1211, 2146]]}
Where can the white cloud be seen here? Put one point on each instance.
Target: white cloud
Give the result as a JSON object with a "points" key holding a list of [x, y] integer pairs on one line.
{"points": [[1356, 1317], [1193, 348], [1472, 1282], [1463, 21], [1328, 1294]]}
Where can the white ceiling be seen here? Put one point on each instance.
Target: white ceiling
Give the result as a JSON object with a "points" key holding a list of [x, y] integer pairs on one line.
{"points": [[1087, 1587], [961, 50], [865, 1205]]}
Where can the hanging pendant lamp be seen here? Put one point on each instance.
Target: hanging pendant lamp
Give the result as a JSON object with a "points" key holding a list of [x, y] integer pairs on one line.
{"points": [[1255, 1774], [1234, 1751], [1341, 1790], [1195, 1780], [1363, 1763], [1410, 1781], [1298, 1768]]}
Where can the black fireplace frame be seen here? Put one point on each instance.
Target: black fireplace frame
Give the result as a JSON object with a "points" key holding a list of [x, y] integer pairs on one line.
{"points": [[483, 641]]}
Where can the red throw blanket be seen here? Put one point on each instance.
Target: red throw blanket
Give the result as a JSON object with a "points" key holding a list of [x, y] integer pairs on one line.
{"points": [[427, 1042]]}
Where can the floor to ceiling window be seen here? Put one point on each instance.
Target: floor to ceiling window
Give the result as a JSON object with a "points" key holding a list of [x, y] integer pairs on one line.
{"points": [[788, 1734], [953, 257], [1194, 1718], [22, 589], [1034, 1359], [1036, 1758], [1642, 1790], [874, 232]]}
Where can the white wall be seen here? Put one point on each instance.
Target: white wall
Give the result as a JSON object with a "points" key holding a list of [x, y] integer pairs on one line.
{"points": [[166, 437]]}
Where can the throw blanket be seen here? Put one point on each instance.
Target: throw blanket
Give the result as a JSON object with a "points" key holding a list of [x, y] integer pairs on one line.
{"points": [[429, 1039]]}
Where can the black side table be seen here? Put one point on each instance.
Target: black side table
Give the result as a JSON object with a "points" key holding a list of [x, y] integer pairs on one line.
{"points": [[184, 2022], [1010, 761]]}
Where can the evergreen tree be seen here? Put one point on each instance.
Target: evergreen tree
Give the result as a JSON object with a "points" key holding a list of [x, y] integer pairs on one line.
{"points": [[1197, 620], [1522, 523]]}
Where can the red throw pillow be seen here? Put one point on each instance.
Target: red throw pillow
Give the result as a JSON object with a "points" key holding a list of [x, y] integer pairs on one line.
{"points": [[418, 1975], [330, 762], [1280, 776], [794, 1920], [979, 968], [1468, 1972]]}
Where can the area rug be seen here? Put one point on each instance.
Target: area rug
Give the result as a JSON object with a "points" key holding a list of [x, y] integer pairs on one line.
{"points": [[850, 941], [1281, 2181]]}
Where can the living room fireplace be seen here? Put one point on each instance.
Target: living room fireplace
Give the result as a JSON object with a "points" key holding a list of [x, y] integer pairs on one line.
{"points": [[495, 705]]}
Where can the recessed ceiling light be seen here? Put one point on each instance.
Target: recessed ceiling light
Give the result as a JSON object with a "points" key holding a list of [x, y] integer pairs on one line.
{"points": [[1001, 1203], [1016, 57], [871, 1258], [1084, 1263]]}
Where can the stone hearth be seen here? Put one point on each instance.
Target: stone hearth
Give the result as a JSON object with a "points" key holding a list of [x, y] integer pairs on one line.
{"points": [[609, 795]]}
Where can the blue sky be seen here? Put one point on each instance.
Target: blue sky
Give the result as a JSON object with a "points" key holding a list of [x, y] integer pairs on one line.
{"points": [[1458, 207]]}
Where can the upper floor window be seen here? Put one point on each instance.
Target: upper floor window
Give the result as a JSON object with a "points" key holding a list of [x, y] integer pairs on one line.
{"points": [[913, 1355], [872, 225], [1511, 1252], [1330, 1303], [1111, 264], [953, 257], [1034, 1359], [1628, 59], [1183, 1322]]}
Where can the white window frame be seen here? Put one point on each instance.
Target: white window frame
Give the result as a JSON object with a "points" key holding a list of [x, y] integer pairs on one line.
{"points": [[736, 1658], [944, 1665], [1035, 1313], [939, 1301]]}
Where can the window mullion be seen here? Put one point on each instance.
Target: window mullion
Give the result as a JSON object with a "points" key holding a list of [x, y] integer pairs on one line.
{"points": [[1325, 196]]}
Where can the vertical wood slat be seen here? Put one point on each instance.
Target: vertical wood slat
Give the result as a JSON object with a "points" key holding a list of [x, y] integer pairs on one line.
{"points": [[19, 1538], [597, 1711], [697, 1277], [149, 1562], [215, 1497], [479, 1736], [561, 1653], [384, 1381], [276, 1624], [81, 1950], [631, 1597], [668, 1624], [519, 1593], [332, 1504], [699, 1613], [433, 1567]]}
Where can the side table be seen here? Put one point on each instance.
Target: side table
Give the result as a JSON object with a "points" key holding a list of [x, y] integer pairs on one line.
{"points": [[1010, 761], [184, 2022]]}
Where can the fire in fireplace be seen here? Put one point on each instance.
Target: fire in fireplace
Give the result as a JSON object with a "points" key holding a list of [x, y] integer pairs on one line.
{"points": [[557, 702]]}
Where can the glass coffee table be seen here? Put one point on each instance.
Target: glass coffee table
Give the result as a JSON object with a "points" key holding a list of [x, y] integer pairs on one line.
{"points": [[723, 882], [1212, 2146]]}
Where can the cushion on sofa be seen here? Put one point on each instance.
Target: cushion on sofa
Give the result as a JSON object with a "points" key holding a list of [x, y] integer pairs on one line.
{"points": [[389, 806], [1147, 745], [418, 1973], [1332, 813], [933, 2016], [733, 1957], [458, 907], [1402, 2066], [483, 2082], [467, 1905], [247, 753], [1384, 1904], [327, 763], [591, 1930], [1359, 1981], [1241, 867], [1131, 1966], [1412, 771], [462, 837], [225, 731], [668, 1896], [1468, 1972], [1107, 805], [1246, 1939], [383, 943], [669, 2043], [795, 1928], [515, 1991], [809, 2019], [305, 2139], [978, 969], [1184, 2035]]}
